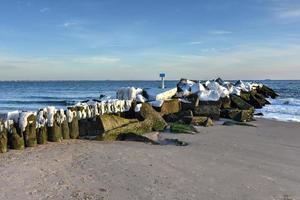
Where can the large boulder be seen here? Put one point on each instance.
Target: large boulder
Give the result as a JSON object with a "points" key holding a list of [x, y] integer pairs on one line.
{"points": [[170, 106], [138, 128], [238, 102], [153, 94], [238, 115], [148, 113], [209, 109], [225, 103], [267, 92], [150, 120], [108, 122]]}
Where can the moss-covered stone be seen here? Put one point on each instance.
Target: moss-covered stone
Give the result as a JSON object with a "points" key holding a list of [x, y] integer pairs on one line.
{"points": [[178, 127], [169, 107], [147, 112], [267, 92], [30, 137], [42, 135], [55, 132], [225, 103], [238, 102], [138, 128], [109, 122], [74, 128], [65, 130], [198, 121], [209, 109], [3, 140], [150, 120], [238, 115], [16, 139]]}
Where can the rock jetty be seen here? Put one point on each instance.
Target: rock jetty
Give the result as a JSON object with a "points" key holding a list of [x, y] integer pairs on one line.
{"points": [[137, 111]]}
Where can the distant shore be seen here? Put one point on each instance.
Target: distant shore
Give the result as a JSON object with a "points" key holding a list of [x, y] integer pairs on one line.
{"points": [[220, 162]]}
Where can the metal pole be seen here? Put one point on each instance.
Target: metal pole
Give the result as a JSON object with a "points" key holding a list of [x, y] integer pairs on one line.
{"points": [[162, 83]]}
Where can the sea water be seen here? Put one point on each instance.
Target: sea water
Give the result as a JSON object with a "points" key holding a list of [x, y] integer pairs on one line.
{"points": [[33, 95]]}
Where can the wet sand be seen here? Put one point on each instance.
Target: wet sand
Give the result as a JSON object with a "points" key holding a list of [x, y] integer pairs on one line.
{"points": [[221, 162]]}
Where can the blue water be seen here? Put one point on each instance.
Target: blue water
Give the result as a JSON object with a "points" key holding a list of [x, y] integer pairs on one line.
{"points": [[32, 95]]}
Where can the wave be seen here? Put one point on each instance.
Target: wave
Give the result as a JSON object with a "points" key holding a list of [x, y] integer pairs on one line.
{"points": [[285, 101], [40, 102], [281, 117]]}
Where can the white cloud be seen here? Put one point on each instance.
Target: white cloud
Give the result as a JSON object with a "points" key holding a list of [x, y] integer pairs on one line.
{"points": [[69, 24], [195, 43], [43, 10], [96, 60], [290, 13]]}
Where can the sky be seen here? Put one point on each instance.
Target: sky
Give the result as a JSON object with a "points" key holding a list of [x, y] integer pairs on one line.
{"points": [[138, 39]]}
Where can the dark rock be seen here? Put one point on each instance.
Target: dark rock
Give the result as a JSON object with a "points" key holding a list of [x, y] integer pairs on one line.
{"points": [[258, 114], [171, 117], [267, 92]]}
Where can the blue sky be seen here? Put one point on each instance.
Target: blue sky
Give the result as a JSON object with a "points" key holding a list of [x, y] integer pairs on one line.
{"points": [[137, 39]]}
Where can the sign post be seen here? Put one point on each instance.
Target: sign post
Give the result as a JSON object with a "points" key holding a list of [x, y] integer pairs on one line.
{"points": [[162, 76]]}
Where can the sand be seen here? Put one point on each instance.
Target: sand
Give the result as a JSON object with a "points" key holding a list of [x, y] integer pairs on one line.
{"points": [[221, 162]]}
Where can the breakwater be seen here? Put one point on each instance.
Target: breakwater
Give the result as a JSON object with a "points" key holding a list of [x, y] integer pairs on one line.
{"points": [[135, 111]]}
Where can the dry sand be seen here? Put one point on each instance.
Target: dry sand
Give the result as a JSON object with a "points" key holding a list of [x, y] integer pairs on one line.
{"points": [[221, 162]]}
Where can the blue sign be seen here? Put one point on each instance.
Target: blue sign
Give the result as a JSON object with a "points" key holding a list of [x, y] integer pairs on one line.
{"points": [[162, 75]]}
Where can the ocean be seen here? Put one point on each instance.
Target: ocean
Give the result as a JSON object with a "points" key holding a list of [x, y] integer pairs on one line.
{"points": [[32, 95]]}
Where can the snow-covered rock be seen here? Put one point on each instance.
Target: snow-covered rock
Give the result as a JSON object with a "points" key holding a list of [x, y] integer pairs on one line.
{"points": [[160, 94], [23, 122], [128, 93]]}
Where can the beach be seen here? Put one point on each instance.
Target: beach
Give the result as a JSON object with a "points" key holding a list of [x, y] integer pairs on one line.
{"points": [[220, 162]]}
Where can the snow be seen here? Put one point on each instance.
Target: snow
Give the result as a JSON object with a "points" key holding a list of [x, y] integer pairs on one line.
{"points": [[160, 94], [157, 103], [70, 115], [14, 115], [128, 93], [40, 120], [140, 98], [51, 110], [23, 122], [138, 107]]}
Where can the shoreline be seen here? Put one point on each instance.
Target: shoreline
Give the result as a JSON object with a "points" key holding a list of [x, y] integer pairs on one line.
{"points": [[220, 162]]}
